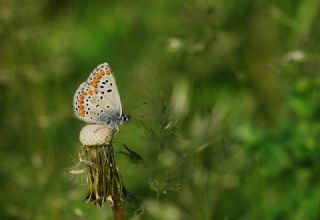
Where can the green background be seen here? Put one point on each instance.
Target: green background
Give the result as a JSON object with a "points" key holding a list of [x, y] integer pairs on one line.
{"points": [[231, 125]]}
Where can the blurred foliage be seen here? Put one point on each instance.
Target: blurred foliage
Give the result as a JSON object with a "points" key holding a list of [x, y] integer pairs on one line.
{"points": [[230, 129]]}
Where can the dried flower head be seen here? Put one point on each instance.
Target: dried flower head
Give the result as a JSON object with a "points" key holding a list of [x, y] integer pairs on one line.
{"points": [[98, 165]]}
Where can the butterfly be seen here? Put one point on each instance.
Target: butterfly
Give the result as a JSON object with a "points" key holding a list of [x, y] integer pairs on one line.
{"points": [[98, 101]]}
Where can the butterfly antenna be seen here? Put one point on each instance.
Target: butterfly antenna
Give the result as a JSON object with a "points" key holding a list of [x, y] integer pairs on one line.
{"points": [[138, 105]]}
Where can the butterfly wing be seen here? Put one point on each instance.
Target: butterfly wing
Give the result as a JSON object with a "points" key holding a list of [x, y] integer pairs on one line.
{"points": [[85, 104], [103, 80], [98, 99]]}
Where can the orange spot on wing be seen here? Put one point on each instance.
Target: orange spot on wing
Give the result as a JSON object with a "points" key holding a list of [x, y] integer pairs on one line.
{"points": [[93, 91], [98, 76], [94, 82], [82, 114]]}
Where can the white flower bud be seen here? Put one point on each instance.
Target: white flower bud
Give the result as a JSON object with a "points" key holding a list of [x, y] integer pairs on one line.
{"points": [[93, 134]]}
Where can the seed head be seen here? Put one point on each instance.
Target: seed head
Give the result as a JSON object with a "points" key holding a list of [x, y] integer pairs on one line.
{"points": [[93, 134]]}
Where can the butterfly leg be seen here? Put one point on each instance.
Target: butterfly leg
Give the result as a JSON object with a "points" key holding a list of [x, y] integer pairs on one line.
{"points": [[117, 130]]}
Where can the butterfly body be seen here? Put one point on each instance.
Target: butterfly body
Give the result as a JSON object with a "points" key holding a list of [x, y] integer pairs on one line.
{"points": [[113, 119], [98, 101]]}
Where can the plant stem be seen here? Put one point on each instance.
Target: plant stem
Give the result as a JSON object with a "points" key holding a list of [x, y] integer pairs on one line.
{"points": [[118, 211]]}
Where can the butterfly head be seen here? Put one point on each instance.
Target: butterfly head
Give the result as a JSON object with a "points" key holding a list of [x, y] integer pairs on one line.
{"points": [[125, 118]]}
